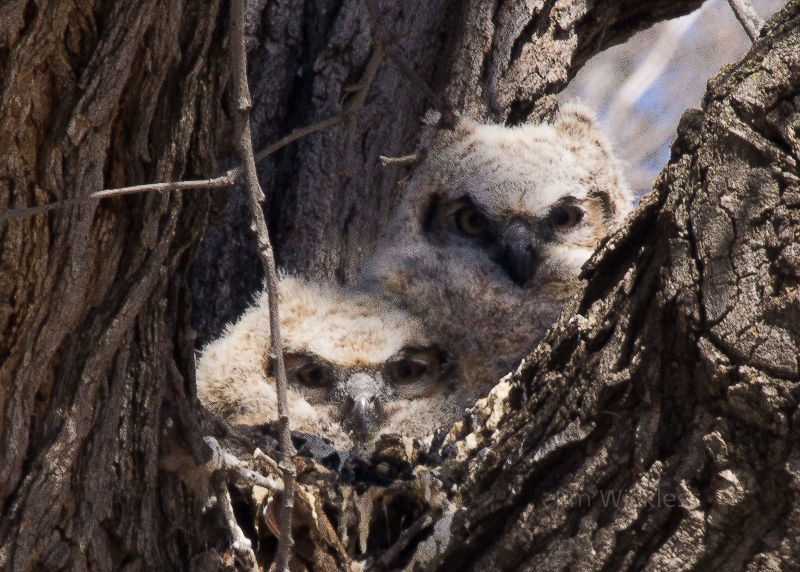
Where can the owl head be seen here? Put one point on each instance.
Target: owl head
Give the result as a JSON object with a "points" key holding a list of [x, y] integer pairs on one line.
{"points": [[534, 199], [357, 367], [493, 229], [357, 358]]}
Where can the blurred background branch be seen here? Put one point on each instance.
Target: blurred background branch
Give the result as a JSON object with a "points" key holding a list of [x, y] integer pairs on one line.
{"points": [[747, 17], [662, 72]]}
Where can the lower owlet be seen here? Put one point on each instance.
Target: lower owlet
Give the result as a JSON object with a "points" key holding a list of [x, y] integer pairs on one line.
{"points": [[494, 226], [357, 367]]}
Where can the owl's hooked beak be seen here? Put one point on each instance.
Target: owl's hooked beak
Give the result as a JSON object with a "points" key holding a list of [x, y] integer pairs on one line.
{"points": [[519, 255], [362, 409]]}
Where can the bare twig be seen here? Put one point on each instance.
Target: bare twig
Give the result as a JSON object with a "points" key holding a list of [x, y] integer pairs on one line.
{"points": [[235, 469], [222, 181], [651, 68], [348, 109], [298, 134], [405, 537], [239, 542], [748, 18], [244, 145], [402, 161], [449, 118], [358, 93], [224, 467]]}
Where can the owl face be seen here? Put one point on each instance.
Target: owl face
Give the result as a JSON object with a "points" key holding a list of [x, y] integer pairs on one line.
{"points": [[524, 245], [534, 200], [357, 367], [364, 396], [357, 359]]}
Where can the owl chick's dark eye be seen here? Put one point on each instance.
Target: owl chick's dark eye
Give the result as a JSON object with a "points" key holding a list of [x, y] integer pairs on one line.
{"points": [[563, 218], [312, 375], [471, 221], [415, 372], [407, 370]]}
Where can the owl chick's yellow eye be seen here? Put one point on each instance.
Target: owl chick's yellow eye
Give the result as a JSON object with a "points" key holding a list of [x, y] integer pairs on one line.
{"points": [[471, 221], [312, 375], [563, 218]]}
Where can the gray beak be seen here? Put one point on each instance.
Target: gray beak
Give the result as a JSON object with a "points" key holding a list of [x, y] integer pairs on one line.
{"points": [[519, 257], [362, 408]]}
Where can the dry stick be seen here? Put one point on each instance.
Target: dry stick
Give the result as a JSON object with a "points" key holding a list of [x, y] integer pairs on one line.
{"points": [[401, 161], [650, 70], [225, 180], [405, 537], [449, 118], [218, 466], [237, 470], [298, 134], [241, 544], [348, 109], [748, 18], [222, 181], [244, 145]]}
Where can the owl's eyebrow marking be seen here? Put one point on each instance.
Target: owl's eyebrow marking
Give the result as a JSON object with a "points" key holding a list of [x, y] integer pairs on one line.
{"points": [[430, 212], [605, 203]]}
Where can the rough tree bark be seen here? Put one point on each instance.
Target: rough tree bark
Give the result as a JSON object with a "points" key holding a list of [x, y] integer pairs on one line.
{"points": [[679, 378], [96, 345]]}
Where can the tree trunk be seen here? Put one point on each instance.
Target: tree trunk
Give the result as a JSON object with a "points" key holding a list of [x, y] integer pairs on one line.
{"points": [[96, 346], [679, 375]]}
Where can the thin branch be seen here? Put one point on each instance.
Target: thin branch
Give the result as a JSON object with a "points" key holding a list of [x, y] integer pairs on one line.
{"points": [[244, 145], [239, 542], [235, 469], [651, 69], [224, 467], [298, 134], [358, 93], [406, 536], [401, 161], [222, 181], [348, 109], [449, 118], [748, 18]]}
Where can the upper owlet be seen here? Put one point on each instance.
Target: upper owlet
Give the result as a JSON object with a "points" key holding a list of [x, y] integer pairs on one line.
{"points": [[357, 367], [493, 229]]}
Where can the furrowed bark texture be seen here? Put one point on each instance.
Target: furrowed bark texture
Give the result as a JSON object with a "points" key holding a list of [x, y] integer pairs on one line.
{"points": [[659, 427], [94, 309], [329, 197]]}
